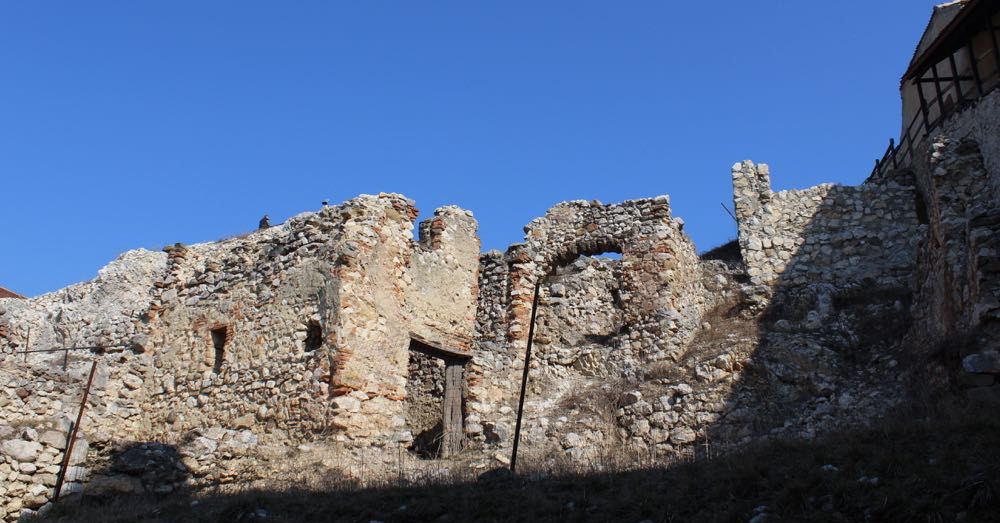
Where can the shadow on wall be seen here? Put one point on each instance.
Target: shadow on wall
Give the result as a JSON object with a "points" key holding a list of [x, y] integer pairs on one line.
{"points": [[838, 261], [898, 473], [140, 469], [811, 345]]}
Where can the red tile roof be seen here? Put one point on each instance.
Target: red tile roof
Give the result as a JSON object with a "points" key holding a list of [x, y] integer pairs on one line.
{"points": [[4, 293]]}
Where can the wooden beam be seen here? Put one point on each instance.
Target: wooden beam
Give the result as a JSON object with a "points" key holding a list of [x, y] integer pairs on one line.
{"points": [[944, 79], [996, 46], [955, 81], [970, 47], [923, 107], [436, 349], [452, 431], [937, 89]]}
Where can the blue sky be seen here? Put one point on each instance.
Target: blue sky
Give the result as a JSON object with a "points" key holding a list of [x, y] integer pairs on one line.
{"points": [[141, 124]]}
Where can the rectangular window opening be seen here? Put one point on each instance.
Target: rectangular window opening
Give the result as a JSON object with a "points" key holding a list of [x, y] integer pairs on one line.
{"points": [[219, 336]]}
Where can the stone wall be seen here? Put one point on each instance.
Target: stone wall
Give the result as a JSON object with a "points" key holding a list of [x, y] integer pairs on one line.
{"points": [[295, 332], [599, 320], [829, 233], [107, 310], [445, 267], [580, 314], [957, 302], [978, 122], [659, 267], [303, 331]]}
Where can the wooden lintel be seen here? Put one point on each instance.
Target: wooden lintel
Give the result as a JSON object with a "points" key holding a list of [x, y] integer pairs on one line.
{"points": [[437, 349]]}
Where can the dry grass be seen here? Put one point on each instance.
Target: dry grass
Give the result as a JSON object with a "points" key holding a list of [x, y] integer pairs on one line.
{"points": [[940, 468], [603, 399]]}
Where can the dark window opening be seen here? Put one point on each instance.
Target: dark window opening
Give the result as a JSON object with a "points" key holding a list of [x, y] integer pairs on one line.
{"points": [[219, 342], [314, 336]]}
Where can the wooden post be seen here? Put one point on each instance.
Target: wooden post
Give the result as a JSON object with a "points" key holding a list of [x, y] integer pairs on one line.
{"points": [[524, 377], [923, 106], [937, 90], [954, 78], [451, 425], [996, 46], [975, 67]]}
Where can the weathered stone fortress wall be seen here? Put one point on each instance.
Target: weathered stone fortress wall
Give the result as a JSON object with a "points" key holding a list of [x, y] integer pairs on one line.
{"points": [[659, 267], [658, 305], [297, 331], [303, 331], [957, 300], [825, 233]]}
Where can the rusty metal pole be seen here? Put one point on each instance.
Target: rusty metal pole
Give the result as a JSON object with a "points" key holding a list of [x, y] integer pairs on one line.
{"points": [[27, 344], [524, 378], [72, 438]]}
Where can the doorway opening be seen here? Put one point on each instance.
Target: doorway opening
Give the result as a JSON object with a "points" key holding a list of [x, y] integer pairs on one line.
{"points": [[435, 392]]}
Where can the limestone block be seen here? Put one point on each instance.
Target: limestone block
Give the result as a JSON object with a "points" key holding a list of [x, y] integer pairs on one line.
{"points": [[20, 450]]}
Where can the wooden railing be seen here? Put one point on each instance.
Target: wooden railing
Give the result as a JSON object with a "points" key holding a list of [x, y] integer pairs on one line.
{"points": [[949, 95]]}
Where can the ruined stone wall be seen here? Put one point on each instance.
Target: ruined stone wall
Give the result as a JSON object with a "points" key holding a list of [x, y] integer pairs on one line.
{"points": [[957, 301], [625, 313], [229, 325], [580, 314], [980, 123], [445, 267], [488, 373], [659, 267], [296, 332], [107, 310], [828, 233]]}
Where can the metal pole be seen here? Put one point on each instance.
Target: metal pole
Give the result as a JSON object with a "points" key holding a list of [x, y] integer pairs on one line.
{"points": [[27, 343], [72, 438], [88, 347], [524, 378], [731, 215]]}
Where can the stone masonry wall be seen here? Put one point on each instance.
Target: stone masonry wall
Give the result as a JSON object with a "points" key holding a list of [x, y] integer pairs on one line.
{"points": [[658, 294], [981, 123], [445, 267], [659, 266], [958, 277], [295, 332], [825, 233]]}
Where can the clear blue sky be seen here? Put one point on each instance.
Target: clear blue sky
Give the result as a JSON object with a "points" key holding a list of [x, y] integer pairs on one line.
{"points": [[140, 124]]}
